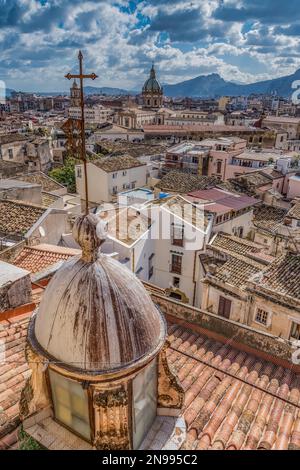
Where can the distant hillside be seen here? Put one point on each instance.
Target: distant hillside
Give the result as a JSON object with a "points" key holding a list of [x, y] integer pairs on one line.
{"points": [[90, 90], [204, 86], [213, 85]]}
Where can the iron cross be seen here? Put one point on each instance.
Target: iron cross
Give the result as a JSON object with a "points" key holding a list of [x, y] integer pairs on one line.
{"points": [[81, 76]]}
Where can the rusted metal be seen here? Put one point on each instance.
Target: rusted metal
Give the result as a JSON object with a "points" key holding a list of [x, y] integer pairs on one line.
{"points": [[81, 76]]}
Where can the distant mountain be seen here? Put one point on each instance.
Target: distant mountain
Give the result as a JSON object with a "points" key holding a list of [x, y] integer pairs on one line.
{"points": [[204, 86], [211, 86], [90, 90]]}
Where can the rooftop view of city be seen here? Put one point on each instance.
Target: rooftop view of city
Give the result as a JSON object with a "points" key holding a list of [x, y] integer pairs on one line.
{"points": [[149, 227]]}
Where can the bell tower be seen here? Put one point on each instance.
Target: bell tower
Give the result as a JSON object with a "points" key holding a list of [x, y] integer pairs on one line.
{"points": [[75, 95]]}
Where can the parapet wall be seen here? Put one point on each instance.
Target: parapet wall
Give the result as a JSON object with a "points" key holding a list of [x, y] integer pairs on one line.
{"points": [[242, 337]]}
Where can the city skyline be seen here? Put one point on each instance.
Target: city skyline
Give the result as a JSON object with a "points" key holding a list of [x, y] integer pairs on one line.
{"points": [[242, 41]]}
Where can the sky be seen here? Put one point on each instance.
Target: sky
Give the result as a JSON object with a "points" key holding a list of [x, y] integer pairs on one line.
{"points": [[242, 40]]}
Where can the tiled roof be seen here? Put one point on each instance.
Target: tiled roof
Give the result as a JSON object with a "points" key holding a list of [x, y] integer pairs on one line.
{"points": [[233, 400], [40, 178], [110, 164], [224, 200], [237, 270], [179, 182], [13, 369], [213, 128], [283, 276], [11, 138], [48, 199], [134, 149], [37, 258], [250, 182], [16, 218], [294, 212], [269, 218], [235, 245]]}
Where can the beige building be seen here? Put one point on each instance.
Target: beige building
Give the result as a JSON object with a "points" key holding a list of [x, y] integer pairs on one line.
{"points": [[109, 176], [227, 266], [291, 125], [97, 114], [247, 286], [274, 298]]}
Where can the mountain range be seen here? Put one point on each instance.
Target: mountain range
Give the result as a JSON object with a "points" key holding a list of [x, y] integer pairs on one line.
{"points": [[211, 86], [206, 86]]}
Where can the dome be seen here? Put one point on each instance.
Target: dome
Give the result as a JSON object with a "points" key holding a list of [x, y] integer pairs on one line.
{"points": [[152, 85], [95, 316]]}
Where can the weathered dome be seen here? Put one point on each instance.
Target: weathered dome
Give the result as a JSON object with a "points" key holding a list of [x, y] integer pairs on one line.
{"points": [[96, 316], [152, 85]]}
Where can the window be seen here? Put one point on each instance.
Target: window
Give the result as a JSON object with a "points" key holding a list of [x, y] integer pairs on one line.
{"points": [[195, 160], [115, 190], [176, 282], [10, 154], [144, 406], [79, 172], [176, 266], [177, 235], [70, 402], [295, 331], [219, 167], [150, 266], [124, 173], [261, 317], [133, 184], [115, 175], [224, 307]]}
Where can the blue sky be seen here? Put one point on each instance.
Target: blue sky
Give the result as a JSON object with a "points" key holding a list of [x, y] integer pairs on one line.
{"points": [[242, 40]]}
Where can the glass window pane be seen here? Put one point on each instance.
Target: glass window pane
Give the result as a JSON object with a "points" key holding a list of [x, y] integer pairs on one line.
{"points": [[144, 402], [70, 404]]}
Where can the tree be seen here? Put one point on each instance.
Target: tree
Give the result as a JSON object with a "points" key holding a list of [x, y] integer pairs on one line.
{"points": [[66, 175]]}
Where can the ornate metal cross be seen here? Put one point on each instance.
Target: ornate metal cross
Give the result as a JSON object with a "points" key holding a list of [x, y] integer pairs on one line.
{"points": [[81, 76]]}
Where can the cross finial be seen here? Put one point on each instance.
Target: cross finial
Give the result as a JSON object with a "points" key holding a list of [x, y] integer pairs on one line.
{"points": [[81, 76]]}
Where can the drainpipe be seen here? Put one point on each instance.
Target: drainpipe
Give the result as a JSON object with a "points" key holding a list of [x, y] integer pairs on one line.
{"points": [[194, 275], [133, 261]]}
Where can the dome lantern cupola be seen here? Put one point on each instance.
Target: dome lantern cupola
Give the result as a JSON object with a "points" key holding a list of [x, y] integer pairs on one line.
{"points": [[152, 91], [96, 349]]}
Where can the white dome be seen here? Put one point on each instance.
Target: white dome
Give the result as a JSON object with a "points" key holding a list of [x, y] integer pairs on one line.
{"points": [[95, 315]]}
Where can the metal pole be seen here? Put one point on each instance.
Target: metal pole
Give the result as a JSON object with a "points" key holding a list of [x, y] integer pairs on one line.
{"points": [[83, 149]]}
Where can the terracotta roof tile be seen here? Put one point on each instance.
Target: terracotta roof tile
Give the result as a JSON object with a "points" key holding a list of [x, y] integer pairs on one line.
{"points": [[283, 276], [232, 399], [269, 218], [229, 244], [13, 369], [294, 212], [16, 218], [180, 182], [47, 183], [40, 257], [110, 164], [237, 270]]}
